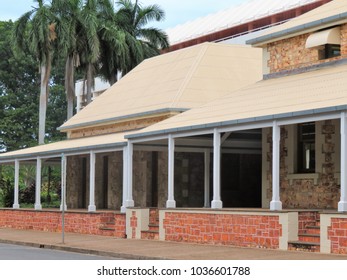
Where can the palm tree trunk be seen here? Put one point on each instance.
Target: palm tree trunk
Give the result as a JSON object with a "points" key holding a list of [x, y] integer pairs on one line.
{"points": [[69, 86], [89, 83], [43, 106], [45, 74]]}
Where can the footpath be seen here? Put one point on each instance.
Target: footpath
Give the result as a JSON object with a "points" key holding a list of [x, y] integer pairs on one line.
{"points": [[149, 250]]}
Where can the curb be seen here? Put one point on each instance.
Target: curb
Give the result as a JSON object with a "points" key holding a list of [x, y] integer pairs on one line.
{"points": [[81, 250]]}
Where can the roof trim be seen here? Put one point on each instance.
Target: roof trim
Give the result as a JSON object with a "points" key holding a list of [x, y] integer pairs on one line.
{"points": [[325, 110], [297, 29], [54, 153], [123, 118]]}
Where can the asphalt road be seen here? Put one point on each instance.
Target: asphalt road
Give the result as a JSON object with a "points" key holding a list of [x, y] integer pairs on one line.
{"points": [[15, 252]]}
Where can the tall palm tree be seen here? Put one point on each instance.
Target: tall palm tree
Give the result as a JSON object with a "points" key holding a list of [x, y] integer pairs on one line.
{"points": [[37, 29], [129, 41], [69, 28], [114, 48], [148, 40], [89, 36]]}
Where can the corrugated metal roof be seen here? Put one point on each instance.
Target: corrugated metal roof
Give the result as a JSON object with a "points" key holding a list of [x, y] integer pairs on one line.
{"points": [[235, 15], [315, 90], [181, 80], [324, 16], [79, 145]]}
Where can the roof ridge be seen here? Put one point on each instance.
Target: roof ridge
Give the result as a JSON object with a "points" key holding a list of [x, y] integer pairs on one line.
{"points": [[191, 72]]}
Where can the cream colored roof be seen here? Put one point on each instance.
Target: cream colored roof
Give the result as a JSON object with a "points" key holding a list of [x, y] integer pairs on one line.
{"points": [[268, 99], [330, 14], [247, 11], [175, 81], [80, 145]]}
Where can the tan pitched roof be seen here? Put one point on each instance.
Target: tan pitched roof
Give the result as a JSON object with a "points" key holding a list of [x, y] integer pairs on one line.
{"points": [[178, 81], [80, 145], [330, 14], [268, 99]]}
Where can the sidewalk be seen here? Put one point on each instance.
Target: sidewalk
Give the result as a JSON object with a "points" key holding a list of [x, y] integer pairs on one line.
{"points": [[143, 249]]}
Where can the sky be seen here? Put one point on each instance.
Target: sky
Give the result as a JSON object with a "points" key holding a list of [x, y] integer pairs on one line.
{"points": [[177, 11]]}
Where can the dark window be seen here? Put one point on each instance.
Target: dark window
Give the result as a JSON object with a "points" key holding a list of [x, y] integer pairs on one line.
{"points": [[330, 51], [306, 148]]}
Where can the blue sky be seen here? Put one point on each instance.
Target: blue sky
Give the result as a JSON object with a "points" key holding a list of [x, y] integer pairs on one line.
{"points": [[177, 11]]}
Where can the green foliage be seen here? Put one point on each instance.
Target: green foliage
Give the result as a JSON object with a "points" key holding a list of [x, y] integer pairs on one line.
{"points": [[6, 188], [95, 36], [19, 97]]}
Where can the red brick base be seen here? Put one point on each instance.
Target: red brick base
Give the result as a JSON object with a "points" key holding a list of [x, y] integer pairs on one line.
{"points": [[260, 231], [337, 233], [100, 223]]}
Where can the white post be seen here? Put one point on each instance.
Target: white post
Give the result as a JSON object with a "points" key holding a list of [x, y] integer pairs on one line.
{"points": [[125, 180], [130, 200], [342, 205], [63, 183], [171, 203], [38, 205], [92, 207], [276, 204], [216, 202], [207, 160], [16, 184]]}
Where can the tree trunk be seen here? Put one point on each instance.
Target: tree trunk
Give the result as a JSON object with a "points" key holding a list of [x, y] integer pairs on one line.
{"points": [[43, 106], [44, 91], [69, 86], [89, 83]]}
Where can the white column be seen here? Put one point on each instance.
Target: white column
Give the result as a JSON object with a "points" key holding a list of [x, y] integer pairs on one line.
{"points": [[130, 200], [276, 204], [171, 203], [342, 205], [63, 183], [92, 207], [216, 202], [16, 184], [38, 205], [207, 160], [125, 180]]}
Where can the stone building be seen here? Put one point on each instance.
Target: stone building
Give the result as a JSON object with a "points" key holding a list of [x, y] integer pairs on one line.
{"points": [[193, 146]]}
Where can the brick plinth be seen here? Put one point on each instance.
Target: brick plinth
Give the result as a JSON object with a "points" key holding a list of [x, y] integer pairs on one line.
{"points": [[262, 231], [75, 222], [337, 234]]}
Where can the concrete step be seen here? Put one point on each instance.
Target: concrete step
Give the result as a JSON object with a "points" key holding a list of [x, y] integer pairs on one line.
{"points": [[303, 246], [312, 230], [153, 227], [311, 238]]}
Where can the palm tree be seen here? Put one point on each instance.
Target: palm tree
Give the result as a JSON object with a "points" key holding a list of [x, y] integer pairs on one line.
{"points": [[68, 28], [37, 29], [90, 40], [125, 41], [143, 42], [114, 48]]}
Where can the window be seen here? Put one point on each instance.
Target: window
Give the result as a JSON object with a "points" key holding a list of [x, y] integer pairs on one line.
{"points": [[329, 51], [306, 148]]}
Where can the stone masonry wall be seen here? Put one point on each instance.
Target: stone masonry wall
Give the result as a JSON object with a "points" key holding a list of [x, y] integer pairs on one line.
{"points": [[289, 54], [227, 229], [74, 187], [142, 178], [116, 127], [308, 191], [84, 223], [77, 189]]}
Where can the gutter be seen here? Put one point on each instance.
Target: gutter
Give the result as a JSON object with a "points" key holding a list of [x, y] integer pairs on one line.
{"points": [[297, 29]]}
